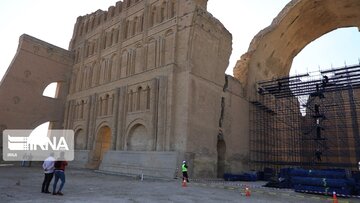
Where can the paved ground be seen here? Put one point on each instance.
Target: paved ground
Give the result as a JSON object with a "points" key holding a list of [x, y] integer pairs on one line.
{"points": [[23, 184]]}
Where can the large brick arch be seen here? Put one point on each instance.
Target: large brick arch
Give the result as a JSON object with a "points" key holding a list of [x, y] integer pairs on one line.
{"points": [[272, 50], [35, 65]]}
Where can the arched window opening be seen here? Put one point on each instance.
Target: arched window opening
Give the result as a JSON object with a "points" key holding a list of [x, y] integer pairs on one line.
{"points": [[77, 56], [39, 135], [153, 17], [105, 16], [126, 29], [172, 9], [148, 97], [162, 12], [80, 140], [82, 109], [41, 128], [100, 106], [52, 90], [81, 30], [92, 23], [141, 23], [106, 108], [138, 99], [104, 41], [87, 53], [112, 37], [135, 24], [130, 101], [86, 27]]}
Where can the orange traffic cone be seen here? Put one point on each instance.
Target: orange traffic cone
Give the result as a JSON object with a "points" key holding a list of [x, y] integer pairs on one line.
{"points": [[183, 183], [247, 192], [335, 200]]}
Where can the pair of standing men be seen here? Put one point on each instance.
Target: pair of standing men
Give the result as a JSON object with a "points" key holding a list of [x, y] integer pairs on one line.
{"points": [[52, 167]]}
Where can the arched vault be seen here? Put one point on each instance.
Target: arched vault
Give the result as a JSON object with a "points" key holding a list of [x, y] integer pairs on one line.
{"points": [[272, 50], [35, 65]]}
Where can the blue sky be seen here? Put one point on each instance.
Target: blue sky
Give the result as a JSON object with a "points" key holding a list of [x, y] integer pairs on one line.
{"points": [[335, 49], [53, 22]]}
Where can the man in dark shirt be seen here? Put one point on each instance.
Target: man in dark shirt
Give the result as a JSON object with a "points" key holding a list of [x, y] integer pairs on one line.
{"points": [[59, 174]]}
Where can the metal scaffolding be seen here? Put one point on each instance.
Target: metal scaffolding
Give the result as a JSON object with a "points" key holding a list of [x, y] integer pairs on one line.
{"points": [[307, 120]]}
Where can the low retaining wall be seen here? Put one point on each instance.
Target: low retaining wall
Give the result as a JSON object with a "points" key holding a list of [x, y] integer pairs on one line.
{"points": [[81, 158], [153, 164]]}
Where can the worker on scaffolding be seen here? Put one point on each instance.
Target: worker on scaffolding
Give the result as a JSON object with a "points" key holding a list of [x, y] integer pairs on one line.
{"points": [[318, 155]]}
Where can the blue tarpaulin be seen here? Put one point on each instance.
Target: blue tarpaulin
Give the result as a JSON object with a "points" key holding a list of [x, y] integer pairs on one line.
{"points": [[240, 177], [317, 181], [324, 182], [340, 174]]}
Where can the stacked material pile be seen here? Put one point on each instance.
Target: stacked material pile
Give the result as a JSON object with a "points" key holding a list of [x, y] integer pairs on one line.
{"points": [[322, 181], [249, 176]]}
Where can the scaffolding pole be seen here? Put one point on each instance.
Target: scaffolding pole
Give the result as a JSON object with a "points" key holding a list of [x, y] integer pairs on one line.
{"points": [[307, 121]]}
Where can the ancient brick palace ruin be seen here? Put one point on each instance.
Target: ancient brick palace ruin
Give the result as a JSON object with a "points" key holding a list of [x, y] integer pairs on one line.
{"points": [[143, 85]]}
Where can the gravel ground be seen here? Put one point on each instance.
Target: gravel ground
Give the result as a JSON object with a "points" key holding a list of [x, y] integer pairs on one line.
{"points": [[23, 184]]}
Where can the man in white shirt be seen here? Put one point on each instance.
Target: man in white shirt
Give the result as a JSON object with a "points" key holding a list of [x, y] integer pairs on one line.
{"points": [[48, 167]]}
